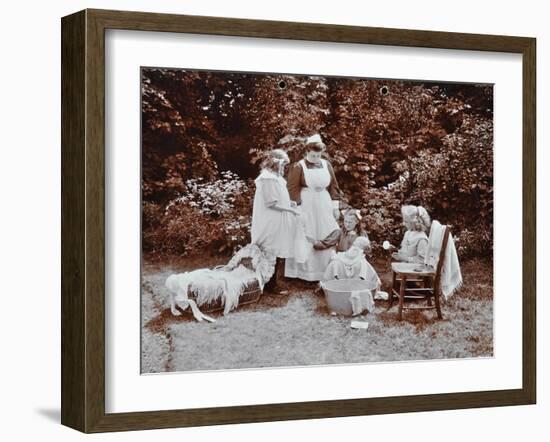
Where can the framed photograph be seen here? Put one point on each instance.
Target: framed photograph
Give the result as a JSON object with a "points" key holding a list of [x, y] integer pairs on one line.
{"points": [[266, 221]]}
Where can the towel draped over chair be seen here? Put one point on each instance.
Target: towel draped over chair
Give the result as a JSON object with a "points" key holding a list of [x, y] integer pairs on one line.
{"points": [[451, 276]]}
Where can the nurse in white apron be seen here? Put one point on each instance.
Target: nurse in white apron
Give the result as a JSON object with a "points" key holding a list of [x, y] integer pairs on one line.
{"points": [[313, 187]]}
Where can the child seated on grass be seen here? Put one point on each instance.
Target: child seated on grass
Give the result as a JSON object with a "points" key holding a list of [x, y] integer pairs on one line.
{"points": [[352, 264]]}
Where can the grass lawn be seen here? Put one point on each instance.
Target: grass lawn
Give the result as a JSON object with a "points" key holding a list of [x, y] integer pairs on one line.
{"points": [[297, 329]]}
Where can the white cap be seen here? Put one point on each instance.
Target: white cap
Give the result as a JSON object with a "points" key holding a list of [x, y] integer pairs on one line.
{"points": [[314, 139]]}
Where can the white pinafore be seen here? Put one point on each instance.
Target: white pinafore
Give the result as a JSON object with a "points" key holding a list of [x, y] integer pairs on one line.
{"points": [[317, 210], [273, 229]]}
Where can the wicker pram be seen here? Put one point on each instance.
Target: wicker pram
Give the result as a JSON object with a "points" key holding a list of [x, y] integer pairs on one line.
{"points": [[254, 258]]}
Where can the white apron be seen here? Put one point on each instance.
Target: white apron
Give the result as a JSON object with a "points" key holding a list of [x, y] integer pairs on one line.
{"points": [[317, 210]]}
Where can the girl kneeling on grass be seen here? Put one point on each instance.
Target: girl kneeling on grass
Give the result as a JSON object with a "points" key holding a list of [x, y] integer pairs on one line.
{"points": [[344, 237]]}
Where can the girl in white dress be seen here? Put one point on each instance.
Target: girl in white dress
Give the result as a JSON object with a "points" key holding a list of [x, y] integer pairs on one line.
{"points": [[314, 186], [352, 264], [273, 215], [415, 241]]}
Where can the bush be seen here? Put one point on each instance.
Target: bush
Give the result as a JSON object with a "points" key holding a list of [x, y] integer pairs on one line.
{"points": [[209, 217], [474, 243], [420, 143]]}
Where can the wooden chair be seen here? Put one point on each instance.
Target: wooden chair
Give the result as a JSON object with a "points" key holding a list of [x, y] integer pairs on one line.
{"points": [[402, 272]]}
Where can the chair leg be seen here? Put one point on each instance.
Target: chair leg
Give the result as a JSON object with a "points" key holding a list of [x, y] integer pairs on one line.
{"points": [[402, 297], [426, 282], [437, 304], [390, 294]]}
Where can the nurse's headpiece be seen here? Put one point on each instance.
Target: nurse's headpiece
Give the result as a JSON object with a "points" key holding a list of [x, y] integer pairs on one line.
{"points": [[316, 138], [315, 142]]}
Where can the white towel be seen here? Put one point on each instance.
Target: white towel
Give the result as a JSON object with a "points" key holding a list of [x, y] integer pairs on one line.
{"points": [[356, 304], [361, 300], [451, 277]]}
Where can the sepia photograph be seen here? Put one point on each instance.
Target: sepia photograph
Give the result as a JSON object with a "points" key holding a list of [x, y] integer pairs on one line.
{"points": [[302, 220]]}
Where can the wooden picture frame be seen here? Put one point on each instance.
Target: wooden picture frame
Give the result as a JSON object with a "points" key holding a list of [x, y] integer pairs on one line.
{"points": [[83, 220]]}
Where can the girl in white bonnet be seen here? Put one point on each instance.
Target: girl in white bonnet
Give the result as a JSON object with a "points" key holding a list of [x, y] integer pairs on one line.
{"points": [[352, 263], [415, 242]]}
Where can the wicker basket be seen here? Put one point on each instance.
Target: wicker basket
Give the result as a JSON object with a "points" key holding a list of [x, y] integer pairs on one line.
{"points": [[251, 294]]}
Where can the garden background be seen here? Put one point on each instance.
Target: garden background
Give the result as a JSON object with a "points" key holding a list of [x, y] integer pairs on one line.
{"points": [[391, 142]]}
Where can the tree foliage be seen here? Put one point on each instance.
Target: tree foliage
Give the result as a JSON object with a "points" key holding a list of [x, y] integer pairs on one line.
{"points": [[391, 142]]}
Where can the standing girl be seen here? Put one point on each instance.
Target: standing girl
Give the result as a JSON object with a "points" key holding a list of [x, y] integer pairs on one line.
{"points": [[273, 215]]}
